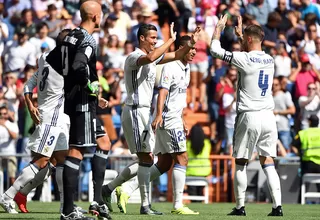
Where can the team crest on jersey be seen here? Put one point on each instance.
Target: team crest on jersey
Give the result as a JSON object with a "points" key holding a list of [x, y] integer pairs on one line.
{"points": [[46, 149], [165, 79]]}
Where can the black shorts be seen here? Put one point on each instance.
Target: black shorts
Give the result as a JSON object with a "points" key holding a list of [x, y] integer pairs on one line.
{"points": [[82, 129], [99, 128], [221, 128]]}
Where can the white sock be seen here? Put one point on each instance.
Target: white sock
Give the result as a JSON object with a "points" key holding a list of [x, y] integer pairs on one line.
{"points": [[240, 185], [26, 175], [39, 178], [178, 182], [130, 186], [59, 180], [126, 174], [133, 185], [144, 184], [273, 184]]}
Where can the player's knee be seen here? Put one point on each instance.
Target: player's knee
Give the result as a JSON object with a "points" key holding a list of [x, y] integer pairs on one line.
{"points": [[104, 143], [76, 152], [60, 156], [40, 161], [241, 162], [181, 159], [266, 160], [146, 158], [164, 162]]}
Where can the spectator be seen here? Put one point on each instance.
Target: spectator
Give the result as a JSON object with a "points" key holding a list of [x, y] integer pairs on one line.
{"points": [[260, 9], [113, 95], [54, 24], [9, 132], [217, 71], [308, 7], [4, 33], [110, 28], [40, 9], [307, 143], [283, 110], [27, 24], [315, 58], [271, 32], [310, 104], [144, 18], [42, 37], [225, 86], [18, 53], [282, 61], [123, 23], [285, 23], [17, 6], [199, 69], [303, 75], [10, 92], [112, 54], [229, 106], [308, 44], [198, 149]]}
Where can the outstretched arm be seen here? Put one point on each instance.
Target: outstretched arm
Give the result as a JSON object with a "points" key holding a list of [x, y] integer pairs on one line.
{"points": [[158, 52], [180, 53], [238, 59]]}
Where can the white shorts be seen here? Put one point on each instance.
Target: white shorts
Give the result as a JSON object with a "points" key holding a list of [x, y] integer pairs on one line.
{"points": [[170, 141], [137, 129], [255, 129], [46, 139]]}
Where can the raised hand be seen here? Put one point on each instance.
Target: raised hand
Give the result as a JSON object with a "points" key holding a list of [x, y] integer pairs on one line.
{"points": [[222, 22], [173, 34], [195, 35], [238, 29]]}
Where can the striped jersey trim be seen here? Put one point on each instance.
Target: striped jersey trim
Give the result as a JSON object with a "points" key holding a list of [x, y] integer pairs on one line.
{"points": [[136, 131], [44, 137], [135, 87], [55, 116]]}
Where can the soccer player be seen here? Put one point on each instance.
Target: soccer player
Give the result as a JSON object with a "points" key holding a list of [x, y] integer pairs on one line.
{"points": [[139, 76], [255, 124], [59, 157], [51, 134], [76, 61]]}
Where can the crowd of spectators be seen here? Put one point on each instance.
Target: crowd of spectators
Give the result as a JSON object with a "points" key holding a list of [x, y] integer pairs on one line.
{"points": [[292, 37]]}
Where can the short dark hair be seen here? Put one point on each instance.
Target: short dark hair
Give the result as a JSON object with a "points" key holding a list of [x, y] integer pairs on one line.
{"points": [[144, 29], [254, 31], [62, 35], [25, 11], [184, 40], [41, 25], [274, 17]]}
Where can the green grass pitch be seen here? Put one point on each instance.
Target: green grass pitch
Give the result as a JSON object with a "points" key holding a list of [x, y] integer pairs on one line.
{"points": [[211, 211]]}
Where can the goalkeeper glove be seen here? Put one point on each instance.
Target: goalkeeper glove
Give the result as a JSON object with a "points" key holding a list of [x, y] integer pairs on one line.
{"points": [[92, 88]]}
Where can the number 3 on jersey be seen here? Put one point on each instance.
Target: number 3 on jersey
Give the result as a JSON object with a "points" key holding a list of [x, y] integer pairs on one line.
{"points": [[263, 82], [45, 73]]}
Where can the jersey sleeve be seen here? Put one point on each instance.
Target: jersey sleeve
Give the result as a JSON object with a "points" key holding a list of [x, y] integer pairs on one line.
{"points": [[79, 66], [31, 83], [166, 77], [132, 59], [238, 59], [159, 59]]}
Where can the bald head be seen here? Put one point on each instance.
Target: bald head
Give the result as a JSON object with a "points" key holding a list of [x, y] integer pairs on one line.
{"points": [[89, 10]]}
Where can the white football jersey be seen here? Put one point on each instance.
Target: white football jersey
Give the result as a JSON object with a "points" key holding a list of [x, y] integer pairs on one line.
{"points": [[255, 77], [139, 80], [175, 77], [50, 93]]}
